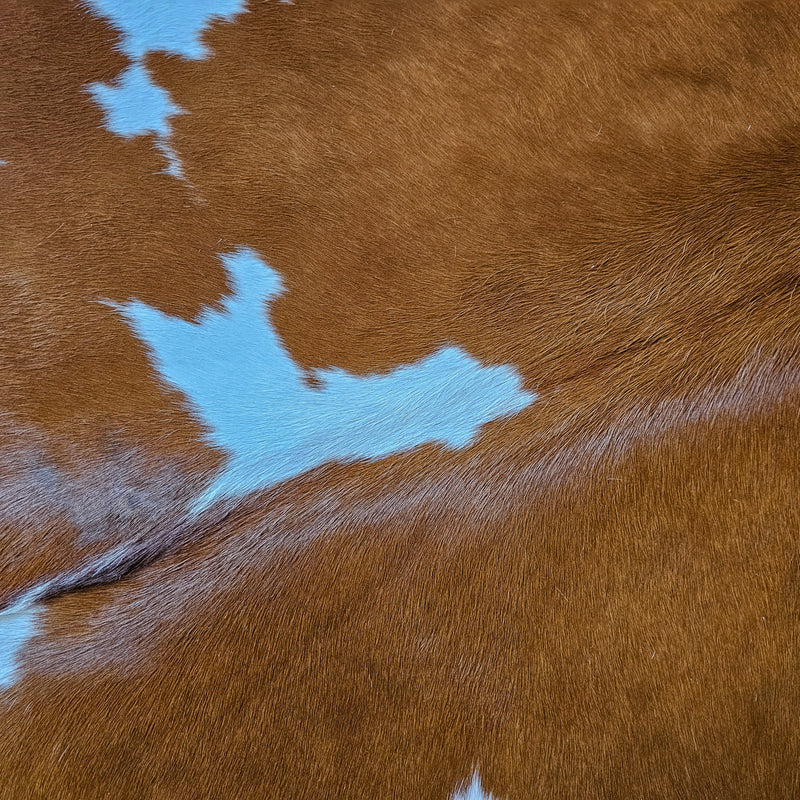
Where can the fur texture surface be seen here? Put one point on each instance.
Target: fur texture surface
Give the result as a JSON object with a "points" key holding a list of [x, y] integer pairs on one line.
{"points": [[595, 595]]}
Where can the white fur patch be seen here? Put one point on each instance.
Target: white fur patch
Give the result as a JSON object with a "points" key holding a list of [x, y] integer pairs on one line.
{"points": [[474, 791]]}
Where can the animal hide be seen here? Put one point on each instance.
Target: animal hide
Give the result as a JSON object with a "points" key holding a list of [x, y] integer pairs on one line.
{"points": [[399, 399]]}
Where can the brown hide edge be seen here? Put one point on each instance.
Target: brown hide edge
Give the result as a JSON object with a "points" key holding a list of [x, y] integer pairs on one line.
{"points": [[599, 598]]}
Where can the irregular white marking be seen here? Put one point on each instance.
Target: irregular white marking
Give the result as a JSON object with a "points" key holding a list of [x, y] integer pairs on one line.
{"points": [[174, 166], [134, 105], [175, 27], [17, 626], [472, 792], [244, 386]]}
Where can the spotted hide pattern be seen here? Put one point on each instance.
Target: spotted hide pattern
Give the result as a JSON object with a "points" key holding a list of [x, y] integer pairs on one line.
{"points": [[399, 400]]}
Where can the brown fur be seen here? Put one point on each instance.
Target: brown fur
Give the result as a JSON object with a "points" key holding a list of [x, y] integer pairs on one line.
{"points": [[600, 597]]}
